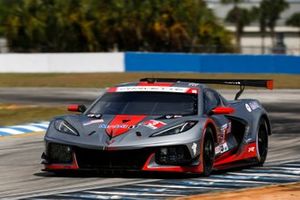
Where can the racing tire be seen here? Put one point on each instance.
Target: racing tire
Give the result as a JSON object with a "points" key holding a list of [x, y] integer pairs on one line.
{"points": [[262, 142], [208, 152]]}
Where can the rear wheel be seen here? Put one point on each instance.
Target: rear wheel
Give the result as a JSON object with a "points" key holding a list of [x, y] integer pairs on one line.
{"points": [[208, 152], [262, 142]]}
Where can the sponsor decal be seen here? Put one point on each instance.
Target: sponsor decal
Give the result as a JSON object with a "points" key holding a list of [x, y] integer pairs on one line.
{"points": [[154, 124], [233, 82], [248, 107], [96, 121], [221, 148], [251, 149], [156, 89], [192, 91], [121, 124], [116, 126], [194, 148], [224, 130], [172, 116], [194, 84], [254, 105]]}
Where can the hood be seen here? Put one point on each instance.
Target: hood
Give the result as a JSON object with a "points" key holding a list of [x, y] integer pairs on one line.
{"points": [[117, 125], [116, 129]]}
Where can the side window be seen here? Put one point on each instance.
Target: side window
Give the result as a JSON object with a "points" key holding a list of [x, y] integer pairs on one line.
{"points": [[211, 100]]}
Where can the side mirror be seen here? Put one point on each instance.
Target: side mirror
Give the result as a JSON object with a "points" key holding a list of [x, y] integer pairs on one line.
{"points": [[77, 108], [222, 110]]}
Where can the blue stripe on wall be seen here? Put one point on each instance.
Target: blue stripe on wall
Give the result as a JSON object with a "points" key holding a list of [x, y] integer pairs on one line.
{"points": [[211, 63]]}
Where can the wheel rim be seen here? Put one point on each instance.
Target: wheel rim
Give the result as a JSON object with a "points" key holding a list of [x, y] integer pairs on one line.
{"points": [[208, 155]]}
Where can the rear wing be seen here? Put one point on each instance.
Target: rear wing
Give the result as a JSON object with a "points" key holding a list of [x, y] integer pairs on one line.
{"points": [[237, 82]]}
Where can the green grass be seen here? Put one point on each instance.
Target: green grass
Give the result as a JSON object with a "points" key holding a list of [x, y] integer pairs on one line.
{"points": [[101, 80], [25, 114]]}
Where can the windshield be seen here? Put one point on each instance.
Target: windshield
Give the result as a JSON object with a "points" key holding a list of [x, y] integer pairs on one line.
{"points": [[146, 103]]}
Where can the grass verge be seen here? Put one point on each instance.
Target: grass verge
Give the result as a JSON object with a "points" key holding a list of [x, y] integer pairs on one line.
{"points": [[18, 114], [100, 80]]}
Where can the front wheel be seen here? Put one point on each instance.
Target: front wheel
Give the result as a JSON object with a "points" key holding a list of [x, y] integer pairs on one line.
{"points": [[208, 152], [262, 142]]}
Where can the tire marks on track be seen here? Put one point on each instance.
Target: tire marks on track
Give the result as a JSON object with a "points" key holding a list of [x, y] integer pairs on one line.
{"points": [[171, 188]]}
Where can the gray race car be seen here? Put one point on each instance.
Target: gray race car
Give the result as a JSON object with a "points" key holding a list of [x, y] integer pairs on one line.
{"points": [[164, 125]]}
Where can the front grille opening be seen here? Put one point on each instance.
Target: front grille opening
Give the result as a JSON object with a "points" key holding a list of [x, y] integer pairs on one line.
{"points": [[59, 153], [174, 155], [119, 159]]}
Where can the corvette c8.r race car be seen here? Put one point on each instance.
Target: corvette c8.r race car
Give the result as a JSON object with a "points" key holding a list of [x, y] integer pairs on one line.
{"points": [[163, 125]]}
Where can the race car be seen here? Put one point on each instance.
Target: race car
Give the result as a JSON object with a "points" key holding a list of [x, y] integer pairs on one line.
{"points": [[161, 125]]}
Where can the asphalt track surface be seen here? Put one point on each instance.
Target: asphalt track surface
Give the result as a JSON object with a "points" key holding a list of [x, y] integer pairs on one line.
{"points": [[20, 175]]}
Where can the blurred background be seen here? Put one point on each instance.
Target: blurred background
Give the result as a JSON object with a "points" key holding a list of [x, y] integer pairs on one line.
{"points": [[98, 43], [73, 44], [203, 26]]}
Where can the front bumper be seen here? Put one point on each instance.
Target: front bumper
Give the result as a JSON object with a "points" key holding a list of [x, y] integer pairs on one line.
{"points": [[173, 158]]}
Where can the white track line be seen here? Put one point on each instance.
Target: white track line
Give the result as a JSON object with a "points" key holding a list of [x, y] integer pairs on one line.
{"points": [[179, 186], [264, 175], [217, 180], [11, 131], [292, 172], [29, 127], [133, 194], [40, 124], [297, 169]]}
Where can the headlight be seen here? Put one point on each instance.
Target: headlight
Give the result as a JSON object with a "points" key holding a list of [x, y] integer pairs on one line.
{"points": [[64, 127], [177, 129]]}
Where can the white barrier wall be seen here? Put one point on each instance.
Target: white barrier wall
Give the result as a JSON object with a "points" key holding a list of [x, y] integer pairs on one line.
{"points": [[62, 62]]}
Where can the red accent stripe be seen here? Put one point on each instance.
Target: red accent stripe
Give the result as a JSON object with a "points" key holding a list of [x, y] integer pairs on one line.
{"points": [[163, 84], [248, 151], [72, 166], [192, 169], [123, 123], [225, 155]]}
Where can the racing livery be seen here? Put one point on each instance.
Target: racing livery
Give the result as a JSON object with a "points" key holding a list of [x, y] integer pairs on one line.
{"points": [[164, 125]]}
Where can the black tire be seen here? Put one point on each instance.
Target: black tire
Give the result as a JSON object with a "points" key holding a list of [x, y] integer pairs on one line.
{"points": [[208, 152], [262, 142]]}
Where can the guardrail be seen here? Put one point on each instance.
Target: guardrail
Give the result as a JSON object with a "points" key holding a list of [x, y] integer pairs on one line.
{"points": [[211, 63], [61, 62], [147, 62]]}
